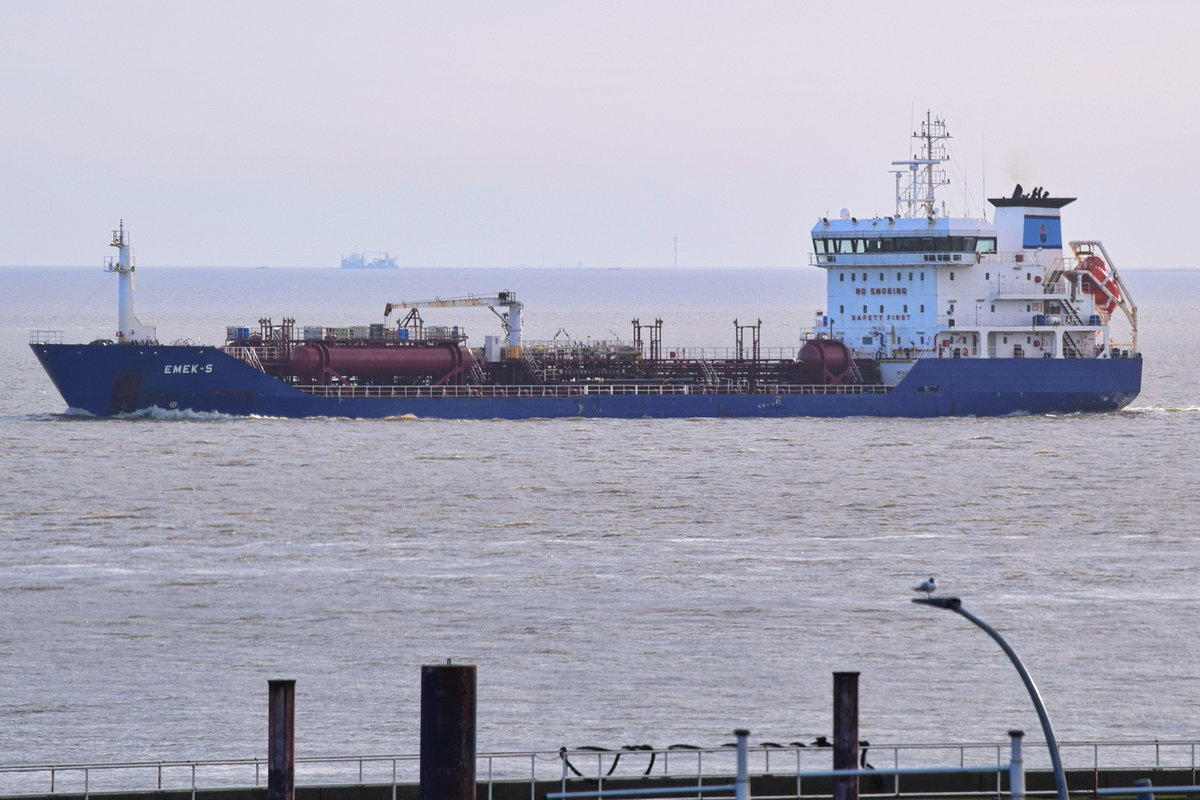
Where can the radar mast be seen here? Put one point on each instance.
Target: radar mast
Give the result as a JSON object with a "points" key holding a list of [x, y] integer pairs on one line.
{"points": [[915, 195]]}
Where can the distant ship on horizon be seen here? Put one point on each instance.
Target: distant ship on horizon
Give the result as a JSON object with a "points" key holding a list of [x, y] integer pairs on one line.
{"points": [[377, 259]]}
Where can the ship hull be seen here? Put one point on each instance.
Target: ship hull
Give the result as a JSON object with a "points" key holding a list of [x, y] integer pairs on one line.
{"points": [[108, 380]]}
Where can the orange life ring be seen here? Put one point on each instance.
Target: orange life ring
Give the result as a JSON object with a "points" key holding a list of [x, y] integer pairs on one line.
{"points": [[1037, 343]]}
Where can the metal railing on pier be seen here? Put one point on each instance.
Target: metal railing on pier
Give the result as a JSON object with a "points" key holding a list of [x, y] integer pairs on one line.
{"points": [[894, 768]]}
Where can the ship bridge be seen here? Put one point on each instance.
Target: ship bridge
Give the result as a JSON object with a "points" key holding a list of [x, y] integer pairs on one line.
{"points": [[923, 283]]}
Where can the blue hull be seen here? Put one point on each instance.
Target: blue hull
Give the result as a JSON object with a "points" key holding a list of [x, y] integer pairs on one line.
{"points": [[105, 380]]}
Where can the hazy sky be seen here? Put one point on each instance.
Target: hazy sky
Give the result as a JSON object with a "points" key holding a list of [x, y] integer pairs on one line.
{"points": [[265, 132]]}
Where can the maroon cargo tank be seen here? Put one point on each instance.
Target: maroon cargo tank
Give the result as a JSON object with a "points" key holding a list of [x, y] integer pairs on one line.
{"points": [[316, 361]]}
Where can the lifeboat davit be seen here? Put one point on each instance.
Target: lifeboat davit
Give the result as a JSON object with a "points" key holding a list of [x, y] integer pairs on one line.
{"points": [[1103, 286]]}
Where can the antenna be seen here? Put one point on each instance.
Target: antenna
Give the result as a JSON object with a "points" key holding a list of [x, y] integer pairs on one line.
{"points": [[983, 200], [918, 197]]}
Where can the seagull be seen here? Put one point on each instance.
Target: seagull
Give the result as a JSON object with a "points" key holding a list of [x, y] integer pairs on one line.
{"points": [[928, 587]]}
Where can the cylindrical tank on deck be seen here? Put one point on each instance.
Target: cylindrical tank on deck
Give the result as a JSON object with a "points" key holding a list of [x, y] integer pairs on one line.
{"points": [[826, 360], [310, 361]]}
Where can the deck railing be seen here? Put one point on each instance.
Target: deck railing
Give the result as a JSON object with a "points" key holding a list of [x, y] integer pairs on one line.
{"points": [[45, 337], [576, 390]]}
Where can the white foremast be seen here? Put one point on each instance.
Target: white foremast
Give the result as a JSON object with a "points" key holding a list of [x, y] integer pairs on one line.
{"points": [[129, 328]]}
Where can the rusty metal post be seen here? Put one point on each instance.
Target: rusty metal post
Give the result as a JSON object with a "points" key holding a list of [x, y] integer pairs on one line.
{"points": [[447, 733], [845, 733], [281, 740]]}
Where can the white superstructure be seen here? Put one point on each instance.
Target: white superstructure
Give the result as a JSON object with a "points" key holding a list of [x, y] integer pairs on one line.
{"points": [[921, 283]]}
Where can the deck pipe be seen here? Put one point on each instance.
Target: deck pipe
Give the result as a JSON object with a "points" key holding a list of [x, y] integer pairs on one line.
{"points": [[447, 732], [845, 733], [281, 740]]}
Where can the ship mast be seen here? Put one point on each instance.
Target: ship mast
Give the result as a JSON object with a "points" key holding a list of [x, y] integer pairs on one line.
{"points": [[129, 328], [916, 196]]}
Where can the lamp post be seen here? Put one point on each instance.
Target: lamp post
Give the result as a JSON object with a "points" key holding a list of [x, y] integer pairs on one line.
{"points": [[955, 604]]}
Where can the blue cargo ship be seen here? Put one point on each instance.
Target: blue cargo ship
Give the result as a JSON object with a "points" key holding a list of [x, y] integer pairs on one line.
{"points": [[927, 315]]}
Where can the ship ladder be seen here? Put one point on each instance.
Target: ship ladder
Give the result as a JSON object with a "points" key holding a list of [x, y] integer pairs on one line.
{"points": [[1070, 313], [534, 368], [710, 374], [477, 376], [855, 373], [246, 354], [1071, 347]]}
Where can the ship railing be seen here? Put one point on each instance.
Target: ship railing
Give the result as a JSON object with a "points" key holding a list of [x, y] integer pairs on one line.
{"points": [[1017, 285], [551, 352], [250, 355], [45, 337], [1038, 348], [1087, 763], [730, 353], [573, 390], [1024, 321]]}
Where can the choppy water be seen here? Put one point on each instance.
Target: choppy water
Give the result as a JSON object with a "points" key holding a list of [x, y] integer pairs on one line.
{"points": [[615, 581]]}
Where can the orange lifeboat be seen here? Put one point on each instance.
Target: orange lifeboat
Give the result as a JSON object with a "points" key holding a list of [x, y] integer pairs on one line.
{"points": [[1103, 287]]}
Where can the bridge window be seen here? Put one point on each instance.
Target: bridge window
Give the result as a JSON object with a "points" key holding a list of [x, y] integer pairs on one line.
{"points": [[904, 244]]}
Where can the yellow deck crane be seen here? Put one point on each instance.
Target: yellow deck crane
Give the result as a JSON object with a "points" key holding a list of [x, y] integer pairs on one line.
{"points": [[510, 320]]}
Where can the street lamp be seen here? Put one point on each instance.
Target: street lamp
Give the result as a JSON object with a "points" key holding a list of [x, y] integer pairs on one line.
{"points": [[955, 604]]}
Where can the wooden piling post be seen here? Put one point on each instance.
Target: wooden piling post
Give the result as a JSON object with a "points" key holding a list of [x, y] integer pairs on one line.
{"points": [[845, 733], [447, 733], [281, 740]]}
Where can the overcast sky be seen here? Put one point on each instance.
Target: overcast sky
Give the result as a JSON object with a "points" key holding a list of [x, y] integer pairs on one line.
{"points": [[289, 132]]}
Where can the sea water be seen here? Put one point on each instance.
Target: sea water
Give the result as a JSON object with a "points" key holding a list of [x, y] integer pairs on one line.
{"points": [[614, 581]]}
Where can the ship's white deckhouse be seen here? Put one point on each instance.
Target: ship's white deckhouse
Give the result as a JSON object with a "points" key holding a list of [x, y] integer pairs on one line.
{"points": [[920, 283]]}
